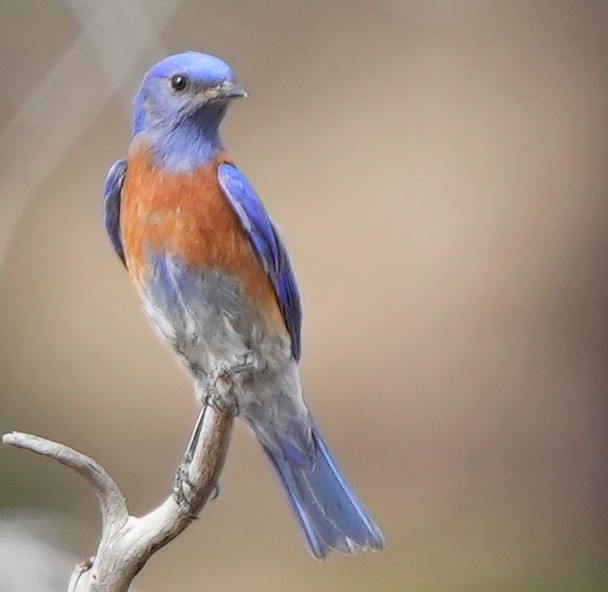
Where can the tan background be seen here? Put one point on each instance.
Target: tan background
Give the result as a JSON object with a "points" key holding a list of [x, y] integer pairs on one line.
{"points": [[439, 170]]}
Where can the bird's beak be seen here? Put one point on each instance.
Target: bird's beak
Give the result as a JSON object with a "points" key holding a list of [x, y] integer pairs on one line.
{"points": [[224, 91], [231, 90]]}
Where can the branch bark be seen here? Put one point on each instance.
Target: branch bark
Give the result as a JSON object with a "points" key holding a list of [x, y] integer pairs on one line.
{"points": [[128, 542]]}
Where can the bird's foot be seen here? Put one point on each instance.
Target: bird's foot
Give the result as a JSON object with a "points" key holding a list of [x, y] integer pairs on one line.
{"points": [[219, 392], [181, 487], [182, 483], [181, 494]]}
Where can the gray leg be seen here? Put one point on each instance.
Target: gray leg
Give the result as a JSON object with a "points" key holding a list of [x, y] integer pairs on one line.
{"points": [[181, 476]]}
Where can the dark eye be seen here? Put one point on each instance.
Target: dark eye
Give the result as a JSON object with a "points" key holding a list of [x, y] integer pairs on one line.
{"points": [[179, 82]]}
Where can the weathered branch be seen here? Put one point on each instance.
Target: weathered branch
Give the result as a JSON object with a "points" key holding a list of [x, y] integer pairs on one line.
{"points": [[128, 542], [114, 512]]}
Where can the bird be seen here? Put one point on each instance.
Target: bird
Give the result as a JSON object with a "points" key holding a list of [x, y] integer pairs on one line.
{"points": [[216, 282]]}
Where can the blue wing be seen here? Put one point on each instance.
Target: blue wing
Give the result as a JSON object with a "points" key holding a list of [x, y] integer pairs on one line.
{"points": [[268, 247], [111, 204]]}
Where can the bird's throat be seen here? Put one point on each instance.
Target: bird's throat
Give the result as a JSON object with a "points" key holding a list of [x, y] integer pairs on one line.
{"points": [[186, 145]]}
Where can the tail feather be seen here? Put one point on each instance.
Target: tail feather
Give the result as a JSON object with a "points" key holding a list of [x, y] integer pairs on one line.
{"points": [[328, 510]]}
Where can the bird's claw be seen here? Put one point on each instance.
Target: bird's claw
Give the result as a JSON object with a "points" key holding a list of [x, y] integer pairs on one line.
{"points": [[219, 385], [182, 480], [216, 492], [182, 484]]}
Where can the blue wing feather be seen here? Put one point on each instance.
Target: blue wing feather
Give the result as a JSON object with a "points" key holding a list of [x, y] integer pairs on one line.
{"points": [[111, 204], [268, 247]]}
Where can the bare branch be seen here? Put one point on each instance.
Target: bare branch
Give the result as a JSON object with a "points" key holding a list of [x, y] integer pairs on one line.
{"points": [[128, 542], [114, 513]]}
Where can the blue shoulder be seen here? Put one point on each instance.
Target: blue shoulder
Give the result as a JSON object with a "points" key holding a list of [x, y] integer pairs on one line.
{"points": [[111, 204], [268, 247]]}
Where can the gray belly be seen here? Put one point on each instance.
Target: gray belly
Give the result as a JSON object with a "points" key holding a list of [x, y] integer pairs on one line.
{"points": [[209, 321]]}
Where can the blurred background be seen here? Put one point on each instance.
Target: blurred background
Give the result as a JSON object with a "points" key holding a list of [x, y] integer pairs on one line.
{"points": [[439, 170]]}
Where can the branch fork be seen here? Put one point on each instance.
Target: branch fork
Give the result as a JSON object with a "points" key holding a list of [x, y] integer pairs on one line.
{"points": [[128, 542]]}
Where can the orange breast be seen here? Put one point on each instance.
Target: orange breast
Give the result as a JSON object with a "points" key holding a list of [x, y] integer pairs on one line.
{"points": [[186, 215]]}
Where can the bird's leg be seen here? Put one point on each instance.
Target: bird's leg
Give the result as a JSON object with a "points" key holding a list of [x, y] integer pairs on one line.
{"points": [[219, 395], [220, 381], [181, 475]]}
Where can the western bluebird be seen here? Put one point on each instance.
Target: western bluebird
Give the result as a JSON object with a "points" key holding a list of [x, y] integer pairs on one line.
{"points": [[216, 282]]}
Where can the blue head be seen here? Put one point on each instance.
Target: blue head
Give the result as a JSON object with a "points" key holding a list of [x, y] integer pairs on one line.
{"points": [[179, 107]]}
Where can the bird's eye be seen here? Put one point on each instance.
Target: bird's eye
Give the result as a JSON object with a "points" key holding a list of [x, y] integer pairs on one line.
{"points": [[179, 82]]}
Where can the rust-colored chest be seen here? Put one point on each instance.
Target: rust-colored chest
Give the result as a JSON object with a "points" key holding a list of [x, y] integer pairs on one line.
{"points": [[188, 217]]}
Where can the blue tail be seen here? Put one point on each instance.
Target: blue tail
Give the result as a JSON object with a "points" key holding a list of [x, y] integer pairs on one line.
{"points": [[328, 510]]}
